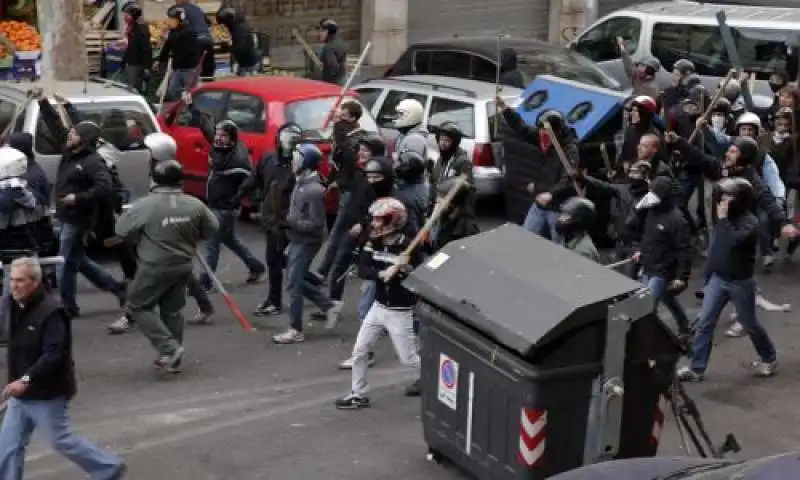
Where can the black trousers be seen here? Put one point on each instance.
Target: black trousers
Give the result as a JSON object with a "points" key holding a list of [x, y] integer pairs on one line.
{"points": [[276, 262], [209, 63]]}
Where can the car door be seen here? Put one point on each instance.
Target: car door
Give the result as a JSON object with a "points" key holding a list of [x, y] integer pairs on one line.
{"points": [[599, 44], [386, 113], [193, 148]]}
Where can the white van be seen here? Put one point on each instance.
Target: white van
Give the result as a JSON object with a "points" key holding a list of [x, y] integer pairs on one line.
{"points": [[682, 29]]}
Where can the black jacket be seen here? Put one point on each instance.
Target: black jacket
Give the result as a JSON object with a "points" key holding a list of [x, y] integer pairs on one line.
{"points": [[674, 95], [83, 173], [183, 47], [732, 253], [626, 197], [334, 61], [762, 197], [275, 179], [243, 48], [227, 169], [345, 158], [35, 176], [509, 72], [551, 176], [666, 249], [374, 258], [40, 346], [139, 52]]}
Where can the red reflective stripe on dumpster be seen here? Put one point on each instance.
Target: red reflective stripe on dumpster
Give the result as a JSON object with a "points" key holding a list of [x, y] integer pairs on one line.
{"points": [[532, 425], [658, 421]]}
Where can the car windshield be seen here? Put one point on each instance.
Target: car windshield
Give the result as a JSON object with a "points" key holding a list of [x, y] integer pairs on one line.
{"points": [[565, 64], [310, 115], [124, 125]]}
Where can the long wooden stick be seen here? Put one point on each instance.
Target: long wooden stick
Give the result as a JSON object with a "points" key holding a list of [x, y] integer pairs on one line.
{"points": [[307, 48], [497, 87], [606, 159], [714, 101], [347, 85], [440, 208], [568, 168]]}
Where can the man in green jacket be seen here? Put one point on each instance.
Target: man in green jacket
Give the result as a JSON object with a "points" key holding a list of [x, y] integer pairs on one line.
{"points": [[166, 227], [574, 222]]}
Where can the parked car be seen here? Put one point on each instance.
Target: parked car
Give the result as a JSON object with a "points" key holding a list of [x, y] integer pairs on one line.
{"points": [[468, 103], [475, 58], [673, 30], [123, 114], [259, 106], [778, 467]]}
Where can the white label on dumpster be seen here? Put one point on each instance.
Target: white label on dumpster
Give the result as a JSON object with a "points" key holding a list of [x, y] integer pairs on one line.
{"points": [[448, 381], [437, 260]]}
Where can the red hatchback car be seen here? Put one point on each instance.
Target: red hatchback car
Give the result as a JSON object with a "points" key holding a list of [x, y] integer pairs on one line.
{"points": [[259, 106]]}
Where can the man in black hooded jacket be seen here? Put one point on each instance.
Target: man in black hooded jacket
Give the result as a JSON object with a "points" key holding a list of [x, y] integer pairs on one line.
{"points": [[243, 47], [509, 72], [275, 179], [333, 55], [228, 168], [83, 181], [553, 185]]}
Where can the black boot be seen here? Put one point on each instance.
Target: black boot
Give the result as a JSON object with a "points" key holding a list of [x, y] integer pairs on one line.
{"points": [[413, 390]]}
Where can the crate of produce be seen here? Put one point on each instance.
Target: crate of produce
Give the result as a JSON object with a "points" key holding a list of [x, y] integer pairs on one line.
{"points": [[6, 53]]}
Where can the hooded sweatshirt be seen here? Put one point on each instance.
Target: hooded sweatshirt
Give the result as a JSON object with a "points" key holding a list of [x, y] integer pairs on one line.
{"points": [[19, 214], [509, 73], [306, 217]]}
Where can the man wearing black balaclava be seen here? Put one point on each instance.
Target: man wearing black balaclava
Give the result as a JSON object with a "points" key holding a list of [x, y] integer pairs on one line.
{"points": [[575, 219], [509, 73], [665, 251]]}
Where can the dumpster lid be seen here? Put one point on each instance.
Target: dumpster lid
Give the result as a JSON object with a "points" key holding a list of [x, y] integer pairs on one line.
{"points": [[518, 288]]}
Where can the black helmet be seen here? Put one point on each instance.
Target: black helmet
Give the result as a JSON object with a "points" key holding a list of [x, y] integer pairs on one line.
{"points": [[410, 166], [555, 118], [133, 9], [287, 137], [168, 173], [699, 95], [226, 15], [380, 165], [451, 130], [723, 106], [684, 67], [89, 132], [230, 128], [577, 217], [177, 13], [329, 25], [741, 191], [374, 143], [748, 151]]}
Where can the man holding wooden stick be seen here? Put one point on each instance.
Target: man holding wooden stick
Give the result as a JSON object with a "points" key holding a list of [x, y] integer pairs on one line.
{"points": [[554, 184]]}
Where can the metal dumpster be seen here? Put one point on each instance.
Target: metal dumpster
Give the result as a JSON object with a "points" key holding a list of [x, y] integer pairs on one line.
{"points": [[535, 358]]}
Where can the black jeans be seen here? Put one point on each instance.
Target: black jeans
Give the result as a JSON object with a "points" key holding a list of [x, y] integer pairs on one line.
{"points": [[276, 262]]}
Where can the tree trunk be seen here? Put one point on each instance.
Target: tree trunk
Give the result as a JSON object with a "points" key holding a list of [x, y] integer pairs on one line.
{"points": [[61, 24]]}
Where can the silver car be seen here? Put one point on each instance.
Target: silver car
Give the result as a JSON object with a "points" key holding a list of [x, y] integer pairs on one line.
{"points": [[468, 103], [123, 114]]}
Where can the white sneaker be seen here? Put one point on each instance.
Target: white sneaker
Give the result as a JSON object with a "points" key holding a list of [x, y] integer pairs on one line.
{"points": [[288, 337], [333, 314], [735, 331]]}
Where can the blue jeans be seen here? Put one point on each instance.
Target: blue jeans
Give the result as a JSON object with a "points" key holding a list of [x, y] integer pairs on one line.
{"points": [[658, 288], [742, 293], [338, 231], [72, 246], [541, 222], [366, 299], [298, 263], [226, 235], [181, 81], [23, 416]]}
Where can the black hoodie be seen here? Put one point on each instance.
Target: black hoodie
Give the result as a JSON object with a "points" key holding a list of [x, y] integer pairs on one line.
{"points": [[243, 47], [35, 176], [509, 73]]}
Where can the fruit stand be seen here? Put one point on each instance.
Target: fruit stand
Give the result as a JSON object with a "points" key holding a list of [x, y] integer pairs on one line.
{"points": [[20, 43]]}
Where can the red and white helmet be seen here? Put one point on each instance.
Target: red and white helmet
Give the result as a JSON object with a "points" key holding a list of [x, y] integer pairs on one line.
{"points": [[646, 103], [388, 216]]}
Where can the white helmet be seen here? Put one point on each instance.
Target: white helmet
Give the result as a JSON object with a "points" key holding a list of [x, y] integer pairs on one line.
{"points": [[162, 147], [13, 163], [748, 118], [409, 113]]}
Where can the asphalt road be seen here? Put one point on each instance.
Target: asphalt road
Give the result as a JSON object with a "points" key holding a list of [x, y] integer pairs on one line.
{"points": [[247, 409]]}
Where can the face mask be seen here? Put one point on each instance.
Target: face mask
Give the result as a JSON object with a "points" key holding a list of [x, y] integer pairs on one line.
{"points": [[545, 142], [779, 138], [717, 123]]}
